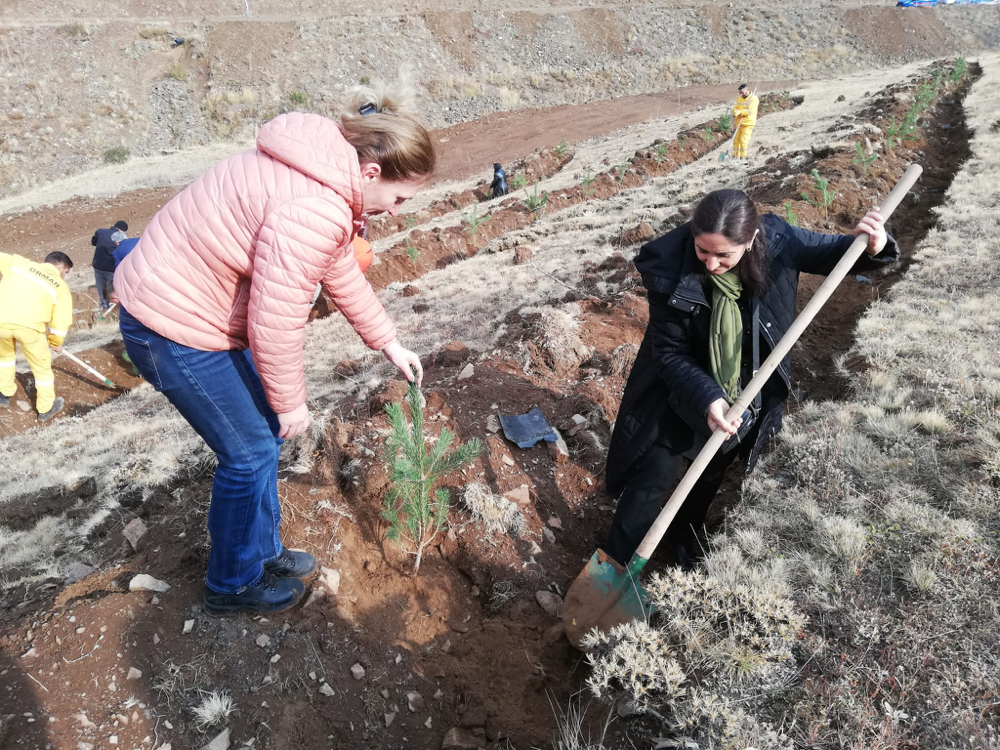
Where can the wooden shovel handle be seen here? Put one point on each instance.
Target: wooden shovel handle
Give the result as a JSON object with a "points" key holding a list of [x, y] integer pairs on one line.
{"points": [[662, 523]]}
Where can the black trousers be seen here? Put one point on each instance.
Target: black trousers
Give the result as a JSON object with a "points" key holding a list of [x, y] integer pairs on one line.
{"points": [[650, 480]]}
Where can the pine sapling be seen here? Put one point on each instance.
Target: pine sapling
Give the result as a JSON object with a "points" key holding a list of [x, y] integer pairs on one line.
{"points": [[473, 221], [588, 183], [725, 123], [519, 181], [826, 196], [661, 153], [415, 511], [861, 158], [413, 253], [620, 171], [536, 202], [790, 216], [562, 148]]}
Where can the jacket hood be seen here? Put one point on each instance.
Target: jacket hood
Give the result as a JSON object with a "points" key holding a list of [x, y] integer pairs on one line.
{"points": [[316, 146]]}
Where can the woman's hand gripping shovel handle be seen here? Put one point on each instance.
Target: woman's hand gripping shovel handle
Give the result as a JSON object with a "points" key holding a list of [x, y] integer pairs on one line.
{"points": [[662, 523]]}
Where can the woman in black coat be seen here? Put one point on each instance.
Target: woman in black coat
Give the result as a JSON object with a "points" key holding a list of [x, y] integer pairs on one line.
{"points": [[706, 281]]}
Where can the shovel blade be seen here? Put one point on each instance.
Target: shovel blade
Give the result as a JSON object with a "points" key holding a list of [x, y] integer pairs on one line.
{"points": [[605, 594]]}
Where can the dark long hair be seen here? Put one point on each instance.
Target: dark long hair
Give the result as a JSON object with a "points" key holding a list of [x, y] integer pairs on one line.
{"points": [[733, 215]]}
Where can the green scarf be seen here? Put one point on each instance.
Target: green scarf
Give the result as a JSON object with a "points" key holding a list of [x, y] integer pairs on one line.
{"points": [[726, 334]]}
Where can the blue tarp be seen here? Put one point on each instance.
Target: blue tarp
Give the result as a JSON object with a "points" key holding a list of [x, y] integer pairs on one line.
{"points": [[925, 3], [527, 429]]}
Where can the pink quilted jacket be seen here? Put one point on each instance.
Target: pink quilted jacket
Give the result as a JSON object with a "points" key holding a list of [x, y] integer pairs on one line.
{"points": [[233, 260]]}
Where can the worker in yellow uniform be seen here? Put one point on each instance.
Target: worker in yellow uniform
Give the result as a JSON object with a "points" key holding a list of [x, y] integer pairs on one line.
{"points": [[33, 297], [744, 118]]}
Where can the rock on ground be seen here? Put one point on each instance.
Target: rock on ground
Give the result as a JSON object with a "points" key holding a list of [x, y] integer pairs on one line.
{"points": [[551, 604], [144, 582], [221, 741], [460, 739]]}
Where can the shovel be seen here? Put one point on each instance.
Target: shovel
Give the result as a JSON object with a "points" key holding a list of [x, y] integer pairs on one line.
{"points": [[606, 594], [729, 146], [88, 368]]}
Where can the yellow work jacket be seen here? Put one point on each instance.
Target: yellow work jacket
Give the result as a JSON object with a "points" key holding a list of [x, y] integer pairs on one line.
{"points": [[746, 107], [34, 295]]}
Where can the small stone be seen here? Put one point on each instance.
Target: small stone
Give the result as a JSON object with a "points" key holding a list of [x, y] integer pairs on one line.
{"points": [[113, 739], [156, 639], [459, 627], [474, 718], [558, 449], [438, 694], [221, 741], [389, 718], [508, 460], [31, 653], [554, 634], [446, 648], [555, 522], [144, 582], [188, 627], [358, 672], [428, 723], [550, 537], [263, 640], [460, 739], [312, 676], [276, 658], [551, 604], [77, 572], [493, 423], [384, 692], [522, 254], [135, 531], [314, 596], [474, 591], [84, 746], [80, 630], [166, 746], [467, 372], [415, 702], [134, 674], [24, 406], [520, 495], [325, 689], [534, 550], [578, 424], [330, 579]]}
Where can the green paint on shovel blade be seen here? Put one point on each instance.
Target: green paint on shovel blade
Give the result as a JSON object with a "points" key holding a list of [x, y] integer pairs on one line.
{"points": [[604, 595]]}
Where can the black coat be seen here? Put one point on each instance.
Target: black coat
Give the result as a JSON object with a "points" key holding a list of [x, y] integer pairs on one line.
{"points": [[103, 259], [670, 386]]}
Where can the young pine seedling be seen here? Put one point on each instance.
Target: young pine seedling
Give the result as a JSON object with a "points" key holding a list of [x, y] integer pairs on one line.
{"points": [[562, 148], [725, 123], [708, 134], [862, 159], [413, 253], [415, 511], [790, 216], [536, 202], [588, 183], [473, 221], [519, 181], [826, 196], [620, 171], [958, 70], [661, 153], [411, 221]]}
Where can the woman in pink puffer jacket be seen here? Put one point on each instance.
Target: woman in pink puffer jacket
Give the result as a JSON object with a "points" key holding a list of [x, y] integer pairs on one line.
{"points": [[215, 299]]}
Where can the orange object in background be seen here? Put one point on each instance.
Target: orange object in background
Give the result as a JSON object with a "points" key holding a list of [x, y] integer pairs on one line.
{"points": [[363, 252]]}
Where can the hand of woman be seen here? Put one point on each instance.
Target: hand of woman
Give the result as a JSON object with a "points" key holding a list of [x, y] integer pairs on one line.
{"points": [[407, 362], [717, 418], [293, 423], [874, 226]]}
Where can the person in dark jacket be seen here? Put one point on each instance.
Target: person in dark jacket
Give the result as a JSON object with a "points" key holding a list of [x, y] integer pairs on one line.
{"points": [[499, 186], [704, 280], [105, 241]]}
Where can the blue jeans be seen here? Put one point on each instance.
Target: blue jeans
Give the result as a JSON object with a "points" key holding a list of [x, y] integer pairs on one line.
{"points": [[221, 397], [102, 279]]}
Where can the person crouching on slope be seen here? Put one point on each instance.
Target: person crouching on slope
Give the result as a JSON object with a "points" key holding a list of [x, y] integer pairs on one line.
{"points": [[215, 299], [714, 285], [33, 297]]}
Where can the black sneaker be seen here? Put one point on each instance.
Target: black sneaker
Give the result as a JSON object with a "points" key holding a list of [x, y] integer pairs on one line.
{"points": [[5, 400], [269, 594], [57, 406], [292, 564]]}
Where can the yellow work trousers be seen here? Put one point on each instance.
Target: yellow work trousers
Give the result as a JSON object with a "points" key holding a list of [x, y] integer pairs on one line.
{"points": [[36, 349], [741, 141]]}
